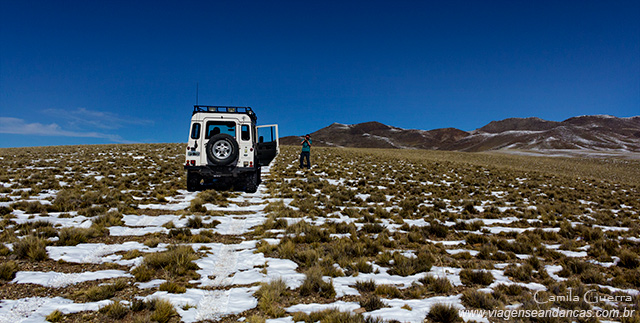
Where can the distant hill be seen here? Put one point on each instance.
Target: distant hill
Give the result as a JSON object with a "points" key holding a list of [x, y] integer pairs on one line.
{"points": [[585, 132]]}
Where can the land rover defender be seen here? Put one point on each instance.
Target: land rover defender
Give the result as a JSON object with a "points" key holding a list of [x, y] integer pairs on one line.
{"points": [[226, 148]]}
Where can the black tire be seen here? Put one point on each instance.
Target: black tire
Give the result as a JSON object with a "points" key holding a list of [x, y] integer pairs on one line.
{"points": [[222, 150], [251, 182], [193, 182]]}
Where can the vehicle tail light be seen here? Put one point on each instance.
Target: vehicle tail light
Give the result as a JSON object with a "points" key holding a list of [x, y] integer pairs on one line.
{"points": [[193, 163], [250, 164]]}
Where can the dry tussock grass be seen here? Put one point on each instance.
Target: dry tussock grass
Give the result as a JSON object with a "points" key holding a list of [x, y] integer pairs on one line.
{"points": [[379, 188], [355, 211]]}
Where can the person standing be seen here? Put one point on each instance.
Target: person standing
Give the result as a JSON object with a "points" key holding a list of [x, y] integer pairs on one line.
{"points": [[306, 152]]}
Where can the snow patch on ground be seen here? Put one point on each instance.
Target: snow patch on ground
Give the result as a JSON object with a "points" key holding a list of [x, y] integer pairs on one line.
{"points": [[35, 309], [97, 253], [209, 304], [56, 279]]}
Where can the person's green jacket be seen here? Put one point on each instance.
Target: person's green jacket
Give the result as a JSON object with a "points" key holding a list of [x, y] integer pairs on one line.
{"points": [[306, 147]]}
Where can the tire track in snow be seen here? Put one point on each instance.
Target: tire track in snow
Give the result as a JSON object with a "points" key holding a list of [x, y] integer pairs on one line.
{"points": [[226, 266], [213, 305], [237, 226], [252, 203]]}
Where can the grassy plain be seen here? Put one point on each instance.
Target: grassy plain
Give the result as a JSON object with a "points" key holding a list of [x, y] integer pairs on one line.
{"points": [[489, 228]]}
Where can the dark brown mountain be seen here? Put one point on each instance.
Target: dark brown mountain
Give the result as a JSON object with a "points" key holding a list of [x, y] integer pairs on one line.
{"points": [[377, 135], [533, 124], [584, 132]]}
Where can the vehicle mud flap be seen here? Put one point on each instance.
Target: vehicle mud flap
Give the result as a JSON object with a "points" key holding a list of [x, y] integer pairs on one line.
{"points": [[251, 182], [193, 182]]}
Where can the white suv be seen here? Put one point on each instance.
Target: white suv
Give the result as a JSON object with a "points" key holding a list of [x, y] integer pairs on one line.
{"points": [[226, 148]]}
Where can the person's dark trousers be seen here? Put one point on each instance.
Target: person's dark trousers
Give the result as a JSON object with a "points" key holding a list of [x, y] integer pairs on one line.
{"points": [[305, 155]]}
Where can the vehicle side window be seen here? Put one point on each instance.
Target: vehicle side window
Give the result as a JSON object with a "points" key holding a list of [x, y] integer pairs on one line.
{"points": [[245, 133], [195, 131], [217, 127]]}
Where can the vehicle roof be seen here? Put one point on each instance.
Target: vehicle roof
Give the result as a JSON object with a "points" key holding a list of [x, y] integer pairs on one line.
{"points": [[214, 109]]}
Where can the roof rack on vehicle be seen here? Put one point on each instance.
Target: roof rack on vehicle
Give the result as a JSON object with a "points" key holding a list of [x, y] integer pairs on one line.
{"points": [[224, 109]]}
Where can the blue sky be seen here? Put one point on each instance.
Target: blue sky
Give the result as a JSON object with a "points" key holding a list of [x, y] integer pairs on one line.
{"points": [[90, 72]]}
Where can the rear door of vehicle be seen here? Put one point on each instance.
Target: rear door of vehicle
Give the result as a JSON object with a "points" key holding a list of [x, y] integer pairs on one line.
{"points": [[268, 145], [196, 151]]}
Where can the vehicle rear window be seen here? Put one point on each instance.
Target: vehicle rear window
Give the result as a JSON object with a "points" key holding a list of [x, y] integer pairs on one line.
{"points": [[195, 131], [216, 127], [245, 133]]}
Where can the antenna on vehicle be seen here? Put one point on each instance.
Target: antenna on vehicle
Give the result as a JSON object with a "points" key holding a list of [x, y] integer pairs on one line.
{"points": [[197, 86]]}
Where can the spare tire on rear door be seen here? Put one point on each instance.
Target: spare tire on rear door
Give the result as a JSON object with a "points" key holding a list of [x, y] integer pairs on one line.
{"points": [[222, 149]]}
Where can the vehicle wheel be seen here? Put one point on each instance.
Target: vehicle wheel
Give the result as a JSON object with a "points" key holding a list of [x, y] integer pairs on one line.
{"points": [[222, 149], [251, 182], [193, 182]]}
